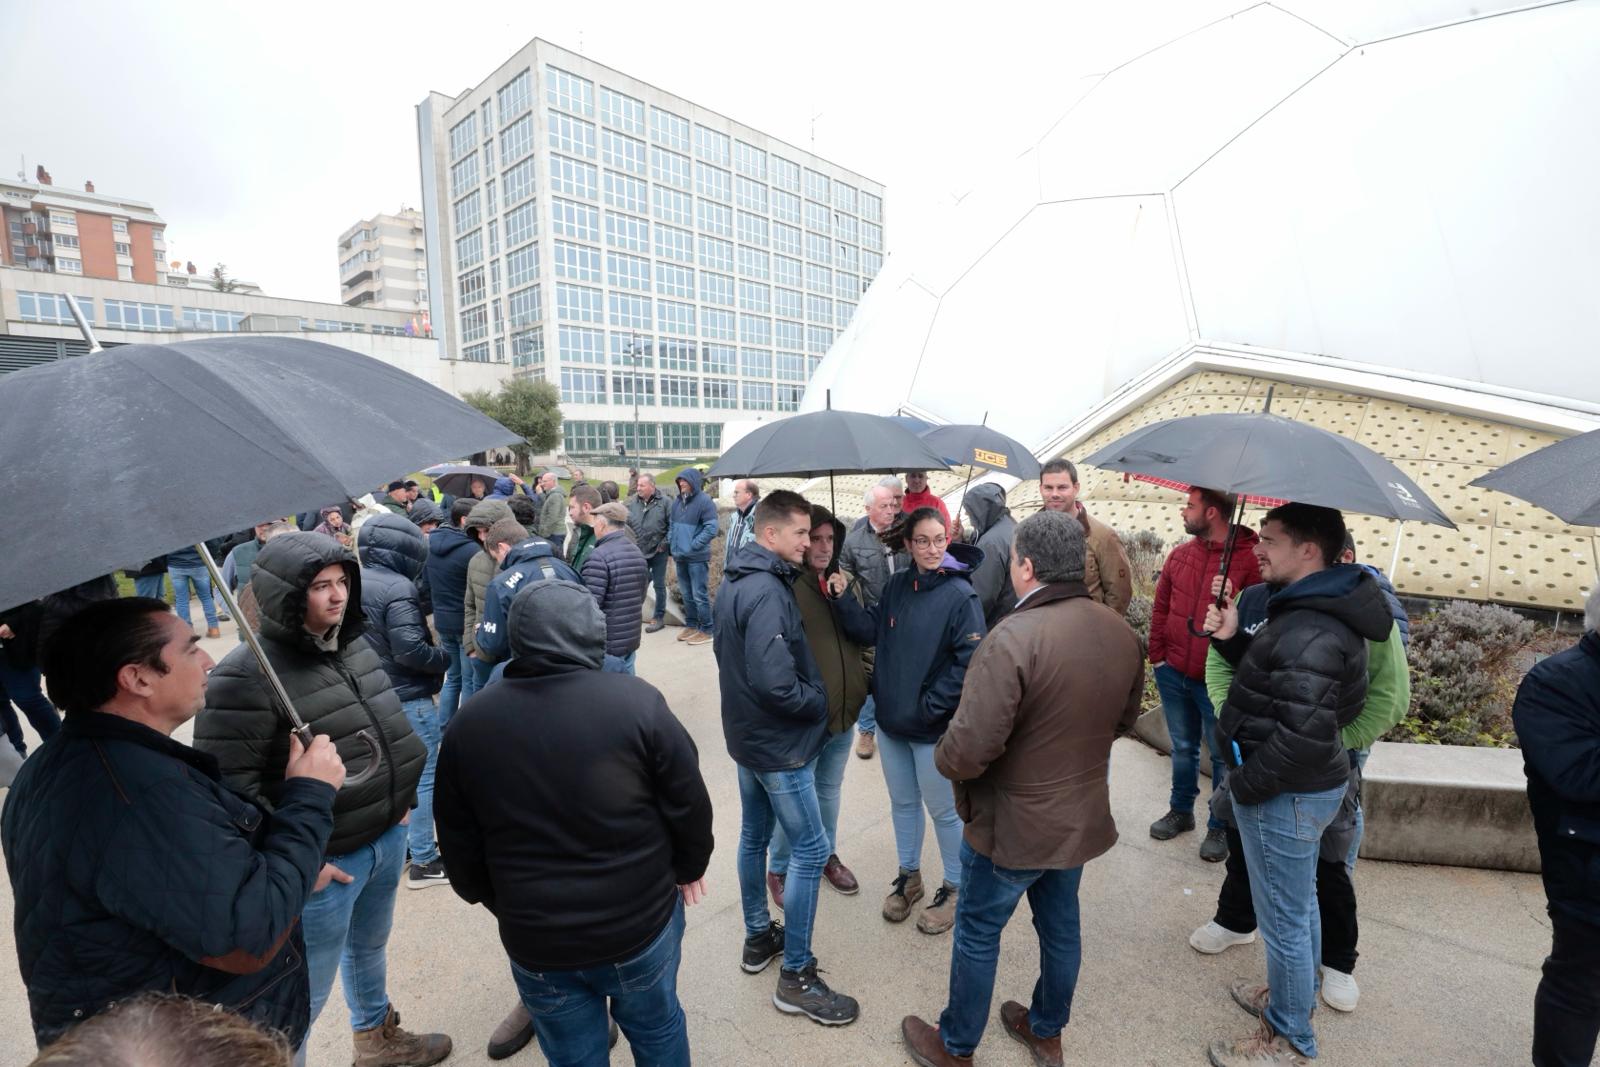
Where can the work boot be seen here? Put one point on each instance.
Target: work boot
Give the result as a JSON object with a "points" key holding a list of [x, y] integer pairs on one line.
{"points": [[940, 915], [805, 993], [926, 1046], [1172, 824], [656, 626], [866, 744], [762, 949], [839, 876], [906, 892], [390, 1046], [1046, 1051], [1214, 849], [1339, 990], [212, 631], [1213, 938], [512, 1035], [1261, 1049], [1249, 995], [775, 887]]}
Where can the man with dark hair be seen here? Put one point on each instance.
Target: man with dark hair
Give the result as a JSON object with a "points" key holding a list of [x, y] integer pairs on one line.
{"points": [[1107, 572], [450, 554], [1300, 678], [775, 721], [647, 518], [741, 528], [525, 510], [1048, 690], [530, 559], [133, 868], [1178, 656], [584, 499]]}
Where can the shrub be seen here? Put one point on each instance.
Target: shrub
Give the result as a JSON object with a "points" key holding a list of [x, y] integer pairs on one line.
{"points": [[1145, 550], [1464, 673]]}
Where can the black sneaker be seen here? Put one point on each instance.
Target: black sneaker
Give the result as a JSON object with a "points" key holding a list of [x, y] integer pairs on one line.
{"points": [[762, 949], [1214, 849], [423, 875], [805, 993], [1171, 825]]}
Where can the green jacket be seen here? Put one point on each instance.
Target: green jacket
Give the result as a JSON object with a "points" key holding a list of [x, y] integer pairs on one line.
{"points": [[1388, 689], [553, 514], [583, 542]]}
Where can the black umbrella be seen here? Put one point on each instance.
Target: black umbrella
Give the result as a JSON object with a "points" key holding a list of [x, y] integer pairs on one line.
{"points": [[125, 455], [982, 446], [1563, 478], [456, 478]]}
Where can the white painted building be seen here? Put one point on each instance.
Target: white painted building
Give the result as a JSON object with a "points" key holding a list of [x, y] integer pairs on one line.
{"points": [[383, 263]]}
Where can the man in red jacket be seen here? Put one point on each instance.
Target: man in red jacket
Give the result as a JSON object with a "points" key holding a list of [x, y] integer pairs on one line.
{"points": [[1179, 656], [918, 495]]}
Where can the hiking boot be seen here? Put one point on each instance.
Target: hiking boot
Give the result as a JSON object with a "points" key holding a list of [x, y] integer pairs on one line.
{"points": [[1249, 995], [700, 638], [1261, 1049], [1046, 1051], [866, 745], [940, 915], [805, 993], [390, 1046], [775, 887], [762, 949], [926, 1046], [512, 1035], [656, 626], [686, 633], [1214, 849], [212, 631], [421, 876], [1213, 938], [1339, 990], [1172, 824], [906, 892], [839, 876]]}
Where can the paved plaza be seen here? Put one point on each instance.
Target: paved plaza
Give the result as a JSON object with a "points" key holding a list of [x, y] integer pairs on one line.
{"points": [[1449, 956]]}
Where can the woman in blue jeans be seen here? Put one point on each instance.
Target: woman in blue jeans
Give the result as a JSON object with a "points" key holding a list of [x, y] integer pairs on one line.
{"points": [[929, 622]]}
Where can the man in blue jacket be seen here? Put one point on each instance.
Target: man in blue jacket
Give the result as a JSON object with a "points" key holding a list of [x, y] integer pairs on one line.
{"points": [[450, 552], [521, 561], [1557, 717], [693, 527], [775, 720]]}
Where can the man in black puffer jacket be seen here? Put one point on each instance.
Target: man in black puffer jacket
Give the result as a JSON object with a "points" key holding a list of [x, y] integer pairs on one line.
{"points": [[1299, 678], [393, 554], [308, 590], [617, 573]]}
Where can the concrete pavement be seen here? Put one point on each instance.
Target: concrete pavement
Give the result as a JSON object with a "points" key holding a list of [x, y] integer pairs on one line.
{"points": [[1450, 956]]}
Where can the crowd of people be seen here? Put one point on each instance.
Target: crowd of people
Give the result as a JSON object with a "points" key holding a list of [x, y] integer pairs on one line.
{"points": [[473, 660]]}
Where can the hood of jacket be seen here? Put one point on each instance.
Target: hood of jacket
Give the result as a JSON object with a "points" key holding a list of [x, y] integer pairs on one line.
{"points": [[393, 543], [758, 559], [283, 571], [525, 551], [692, 476], [1345, 591], [555, 626], [425, 510], [449, 540], [986, 504], [485, 513], [504, 487]]}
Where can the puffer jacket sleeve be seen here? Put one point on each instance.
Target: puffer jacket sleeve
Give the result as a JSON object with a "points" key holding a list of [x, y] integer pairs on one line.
{"points": [[1158, 616], [240, 727], [409, 643], [964, 630], [472, 603], [597, 576]]}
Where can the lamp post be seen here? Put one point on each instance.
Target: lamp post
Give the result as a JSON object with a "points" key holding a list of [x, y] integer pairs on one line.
{"points": [[633, 362]]}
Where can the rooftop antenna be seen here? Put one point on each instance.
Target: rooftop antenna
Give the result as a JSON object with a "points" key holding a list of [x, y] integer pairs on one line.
{"points": [[814, 119]]}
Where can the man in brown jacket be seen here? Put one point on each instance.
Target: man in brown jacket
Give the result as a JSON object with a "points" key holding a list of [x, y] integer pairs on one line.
{"points": [[1046, 693], [1106, 571]]}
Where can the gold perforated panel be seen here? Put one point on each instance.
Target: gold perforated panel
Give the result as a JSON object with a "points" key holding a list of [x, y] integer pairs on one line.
{"points": [[1446, 484], [1463, 440], [1551, 570], [1438, 562], [1395, 430], [1338, 416]]}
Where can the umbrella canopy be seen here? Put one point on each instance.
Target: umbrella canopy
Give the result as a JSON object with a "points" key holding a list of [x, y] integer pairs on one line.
{"points": [[1262, 455], [1563, 478], [827, 442], [456, 478], [982, 446], [147, 448]]}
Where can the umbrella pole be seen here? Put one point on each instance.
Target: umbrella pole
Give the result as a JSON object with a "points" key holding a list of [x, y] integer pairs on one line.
{"points": [[298, 726], [833, 502], [1394, 561], [1226, 563]]}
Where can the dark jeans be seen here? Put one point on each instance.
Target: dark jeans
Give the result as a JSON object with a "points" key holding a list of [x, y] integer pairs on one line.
{"points": [[1566, 1009], [658, 578], [989, 896], [454, 685], [1336, 902], [21, 687], [692, 587], [569, 1007], [1187, 709]]}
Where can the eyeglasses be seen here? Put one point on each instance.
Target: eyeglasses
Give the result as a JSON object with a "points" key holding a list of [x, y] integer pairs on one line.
{"points": [[930, 542]]}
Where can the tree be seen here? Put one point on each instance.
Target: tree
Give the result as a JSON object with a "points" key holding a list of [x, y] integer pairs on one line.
{"points": [[530, 409], [220, 280]]}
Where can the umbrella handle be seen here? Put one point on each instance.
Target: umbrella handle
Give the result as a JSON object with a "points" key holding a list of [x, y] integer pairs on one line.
{"points": [[1227, 558]]}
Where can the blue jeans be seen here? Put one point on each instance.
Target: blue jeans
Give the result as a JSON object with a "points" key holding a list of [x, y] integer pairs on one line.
{"points": [[828, 769], [658, 579], [1359, 756], [569, 1007], [1281, 837], [476, 675], [692, 581], [1187, 709], [619, 664], [347, 929], [182, 577], [868, 722], [424, 719], [22, 688], [455, 686], [914, 782], [989, 896], [151, 587], [788, 798]]}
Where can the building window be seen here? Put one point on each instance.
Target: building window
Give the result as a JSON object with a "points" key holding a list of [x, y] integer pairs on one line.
{"points": [[755, 396], [679, 355], [847, 286], [474, 323], [478, 353], [680, 436], [673, 206], [669, 129], [68, 265], [673, 317], [622, 111], [630, 194], [755, 330], [679, 392], [752, 229], [573, 136], [580, 344], [463, 175], [527, 347], [579, 386], [787, 271], [818, 339], [646, 435], [844, 227], [579, 303], [568, 91], [710, 145], [819, 279], [720, 394], [754, 296], [751, 194], [713, 182], [63, 240], [721, 359], [626, 231], [871, 263], [789, 397], [623, 152], [714, 218], [673, 280], [574, 178], [494, 277], [788, 302], [578, 262], [669, 167], [755, 363], [516, 140], [516, 96], [716, 288], [819, 249], [819, 309], [627, 272], [469, 250], [718, 324], [121, 248], [786, 239], [846, 256], [673, 243], [522, 224], [581, 436], [52, 307], [872, 236], [843, 312], [716, 254], [754, 263], [818, 218], [788, 334], [467, 215], [785, 174], [871, 207], [629, 311], [627, 386], [489, 187], [750, 160], [119, 226], [463, 135], [844, 197], [817, 187], [632, 349], [470, 286], [791, 367], [63, 218], [572, 219]]}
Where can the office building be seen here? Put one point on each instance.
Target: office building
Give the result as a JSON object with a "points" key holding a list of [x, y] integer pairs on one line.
{"points": [[383, 263], [80, 233]]}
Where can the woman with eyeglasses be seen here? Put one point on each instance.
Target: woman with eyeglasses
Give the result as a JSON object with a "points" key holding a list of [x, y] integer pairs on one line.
{"points": [[929, 622]]}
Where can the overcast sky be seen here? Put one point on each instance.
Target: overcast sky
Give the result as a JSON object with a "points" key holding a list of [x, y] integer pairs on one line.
{"points": [[260, 132]]}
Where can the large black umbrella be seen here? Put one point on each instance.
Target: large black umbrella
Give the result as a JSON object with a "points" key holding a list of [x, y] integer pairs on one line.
{"points": [[982, 446], [1563, 478], [125, 455], [456, 478]]}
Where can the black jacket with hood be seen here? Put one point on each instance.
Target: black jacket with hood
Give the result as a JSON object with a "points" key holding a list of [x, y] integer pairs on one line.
{"points": [[338, 687], [569, 802], [992, 531], [393, 554], [1300, 677]]}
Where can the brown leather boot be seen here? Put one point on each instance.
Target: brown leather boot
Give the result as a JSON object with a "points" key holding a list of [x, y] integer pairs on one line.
{"points": [[213, 632], [513, 1033], [926, 1046], [1046, 1051], [839, 876], [907, 890], [390, 1046]]}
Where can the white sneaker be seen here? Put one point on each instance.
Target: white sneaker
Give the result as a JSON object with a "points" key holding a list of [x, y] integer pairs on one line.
{"points": [[1339, 990], [1212, 939]]}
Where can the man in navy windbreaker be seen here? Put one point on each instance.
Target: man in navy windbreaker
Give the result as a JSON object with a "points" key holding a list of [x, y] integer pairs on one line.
{"points": [[692, 528]]}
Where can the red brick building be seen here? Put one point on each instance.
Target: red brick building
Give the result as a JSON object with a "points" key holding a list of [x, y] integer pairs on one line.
{"points": [[80, 232]]}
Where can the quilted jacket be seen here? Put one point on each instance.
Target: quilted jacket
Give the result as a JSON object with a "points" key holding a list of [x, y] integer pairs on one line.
{"points": [[134, 869], [342, 693], [617, 573], [393, 554], [1184, 590]]}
